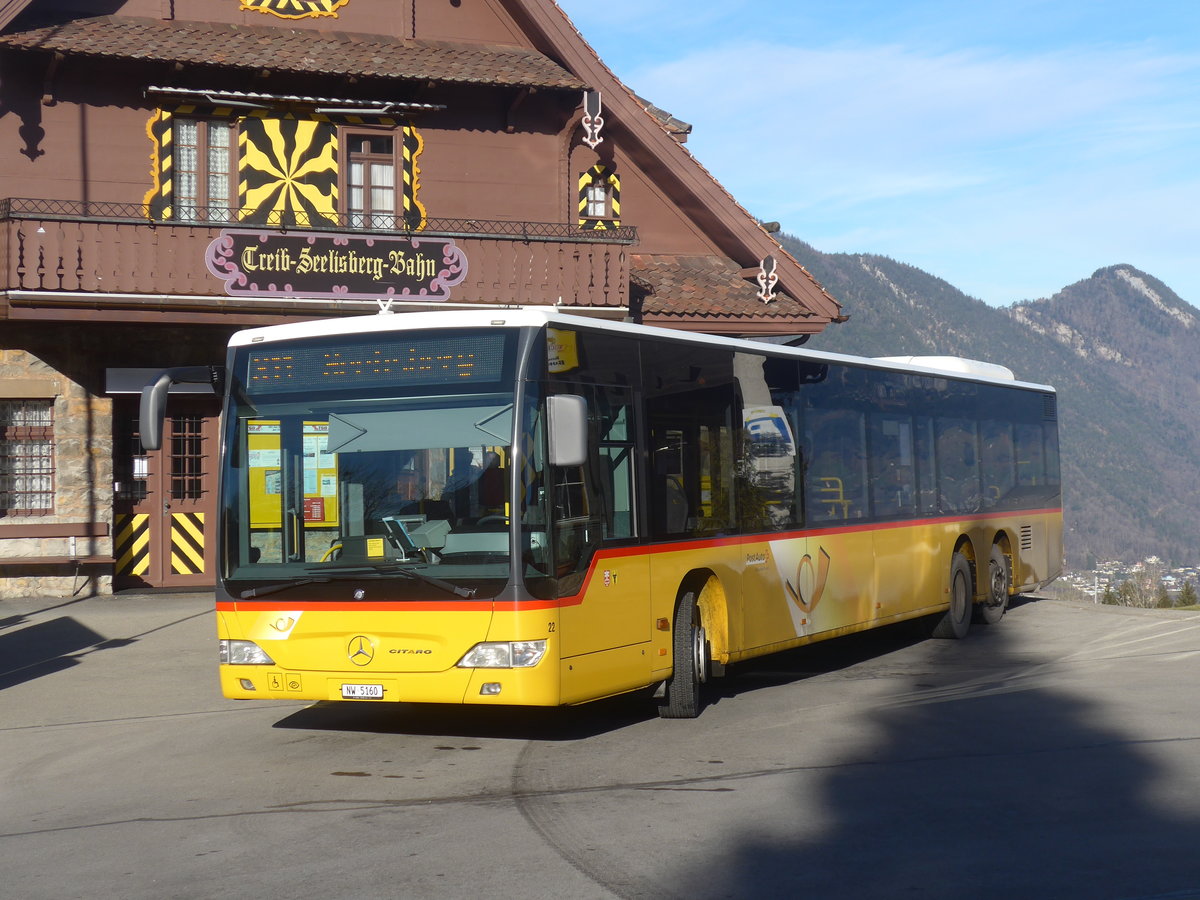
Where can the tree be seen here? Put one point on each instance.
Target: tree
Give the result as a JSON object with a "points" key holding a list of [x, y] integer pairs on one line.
{"points": [[1187, 595], [1162, 599], [1127, 594]]}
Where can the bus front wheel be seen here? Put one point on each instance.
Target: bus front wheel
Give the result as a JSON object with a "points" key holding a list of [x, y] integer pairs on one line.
{"points": [[690, 658], [957, 619]]}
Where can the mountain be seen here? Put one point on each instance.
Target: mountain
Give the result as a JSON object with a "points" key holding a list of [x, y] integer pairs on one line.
{"points": [[1118, 346]]}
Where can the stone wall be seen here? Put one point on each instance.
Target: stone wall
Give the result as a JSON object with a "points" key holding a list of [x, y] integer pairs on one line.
{"points": [[82, 483], [71, 358]]}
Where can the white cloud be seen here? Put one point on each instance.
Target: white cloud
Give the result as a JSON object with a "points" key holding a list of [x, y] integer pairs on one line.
{"points": [[1053, 161], [890, 103], [1011, 148]]}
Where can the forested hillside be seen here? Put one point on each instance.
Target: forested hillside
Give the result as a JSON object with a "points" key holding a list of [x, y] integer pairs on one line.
{"points": [[1119, 347]]}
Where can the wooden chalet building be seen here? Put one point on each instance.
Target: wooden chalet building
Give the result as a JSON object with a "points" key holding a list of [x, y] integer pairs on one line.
{"points": [[174, 170]]}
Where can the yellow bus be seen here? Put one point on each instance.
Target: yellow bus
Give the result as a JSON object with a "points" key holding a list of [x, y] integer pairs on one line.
{"points": [[522, 507]]}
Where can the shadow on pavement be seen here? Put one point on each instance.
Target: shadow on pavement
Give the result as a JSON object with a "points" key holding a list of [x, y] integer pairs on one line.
{"points": [[598, 717], [30, 651], [992, 786], [42, 649], [502, 723]]}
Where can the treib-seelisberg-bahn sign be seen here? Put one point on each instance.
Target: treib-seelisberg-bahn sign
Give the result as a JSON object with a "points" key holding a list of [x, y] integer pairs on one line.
{"points": [[338, 266]]}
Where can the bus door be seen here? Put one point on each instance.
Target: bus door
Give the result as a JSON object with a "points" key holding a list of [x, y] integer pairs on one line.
{"points": [[164, 501], [780, 582], [842, 550], [596, 522]]}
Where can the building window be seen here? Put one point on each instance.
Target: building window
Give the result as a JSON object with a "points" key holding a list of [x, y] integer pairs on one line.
{"points": [[205, 169], [599, 199], [26, 457], [187, 458], [370, 180]]}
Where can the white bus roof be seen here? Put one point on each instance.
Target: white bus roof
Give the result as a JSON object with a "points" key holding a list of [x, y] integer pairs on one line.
{"points": [[537, 316], [955, 364]]}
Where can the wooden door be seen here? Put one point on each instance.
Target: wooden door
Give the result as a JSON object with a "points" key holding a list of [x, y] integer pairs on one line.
{"points": [[165, 500]]}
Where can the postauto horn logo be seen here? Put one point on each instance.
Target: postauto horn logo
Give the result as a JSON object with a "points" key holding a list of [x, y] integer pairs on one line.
{"points": [[360, 650]]}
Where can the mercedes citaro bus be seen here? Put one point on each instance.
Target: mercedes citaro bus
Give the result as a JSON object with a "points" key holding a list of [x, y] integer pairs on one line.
{"points": [[523, 507]]}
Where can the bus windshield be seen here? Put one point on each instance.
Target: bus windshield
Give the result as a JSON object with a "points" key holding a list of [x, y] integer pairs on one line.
{"points": [[404, 481]]}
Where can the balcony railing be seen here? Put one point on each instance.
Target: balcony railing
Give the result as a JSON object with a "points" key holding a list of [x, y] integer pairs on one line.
{"points": [[76, 247]]}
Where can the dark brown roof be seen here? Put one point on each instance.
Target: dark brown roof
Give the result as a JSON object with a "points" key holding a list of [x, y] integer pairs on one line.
{"points": [[677, 128], [297, 50], [712, 290]]}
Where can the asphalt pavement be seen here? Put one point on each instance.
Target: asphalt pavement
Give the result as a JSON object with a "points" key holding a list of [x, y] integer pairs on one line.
{"points": [[1056, 755]]}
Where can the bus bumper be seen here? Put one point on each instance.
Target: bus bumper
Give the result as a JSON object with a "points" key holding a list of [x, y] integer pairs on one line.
{"points": [[498, 687]]}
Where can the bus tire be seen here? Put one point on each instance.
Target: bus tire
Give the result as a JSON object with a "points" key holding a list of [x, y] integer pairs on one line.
{"points": [[955, 622], [690, 661], [993, 606]]}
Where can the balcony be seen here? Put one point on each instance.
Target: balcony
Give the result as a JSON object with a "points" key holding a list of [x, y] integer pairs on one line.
{"points": [[119, 264]]}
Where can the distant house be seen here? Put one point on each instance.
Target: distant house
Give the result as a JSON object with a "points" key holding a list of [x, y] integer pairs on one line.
{"points": [[174, 170]]}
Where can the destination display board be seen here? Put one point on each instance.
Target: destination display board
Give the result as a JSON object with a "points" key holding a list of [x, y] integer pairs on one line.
{"points": [[389, 360]]}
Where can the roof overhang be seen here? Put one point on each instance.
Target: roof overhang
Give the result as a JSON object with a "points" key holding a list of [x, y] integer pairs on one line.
{"points": [[296, 51]]}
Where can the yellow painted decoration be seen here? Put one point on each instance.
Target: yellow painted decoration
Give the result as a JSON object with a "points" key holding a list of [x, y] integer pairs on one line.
{"points": [[599, 174], [295, 9], [413, 145], [156, 127], [288, 170]]}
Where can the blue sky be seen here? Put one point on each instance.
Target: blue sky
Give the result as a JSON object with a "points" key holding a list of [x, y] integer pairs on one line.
{"points": [[1010, 148]]}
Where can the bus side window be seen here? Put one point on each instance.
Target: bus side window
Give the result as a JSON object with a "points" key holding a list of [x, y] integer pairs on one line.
{"points": [[836, 477], [893, 482], [999, 462], [958, 466], [1031, 462], [670, 509], [926, 459], [767, 451], [691, 400]]}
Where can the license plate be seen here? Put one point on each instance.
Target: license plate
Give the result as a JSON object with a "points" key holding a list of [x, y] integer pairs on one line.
{"points": [[362, 691]]}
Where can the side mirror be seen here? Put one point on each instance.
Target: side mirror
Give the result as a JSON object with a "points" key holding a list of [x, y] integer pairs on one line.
{"points": [[153, 407], [567, 414]]}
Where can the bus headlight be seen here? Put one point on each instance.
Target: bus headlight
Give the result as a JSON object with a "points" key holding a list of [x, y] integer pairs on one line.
{"points": [[504, 655], [244, 653]]}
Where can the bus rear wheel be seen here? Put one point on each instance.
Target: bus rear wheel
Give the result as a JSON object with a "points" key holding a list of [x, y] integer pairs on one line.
{"points": [[957, 619], [999, 583], [690, 658]]}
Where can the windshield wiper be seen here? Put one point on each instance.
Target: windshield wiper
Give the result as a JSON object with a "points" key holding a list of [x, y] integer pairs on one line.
{"points": [[408, 572], [281, 586]]}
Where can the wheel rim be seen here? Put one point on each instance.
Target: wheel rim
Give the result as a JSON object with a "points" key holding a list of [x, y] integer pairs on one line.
{"points": [[999, 579], [700, 654]]}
